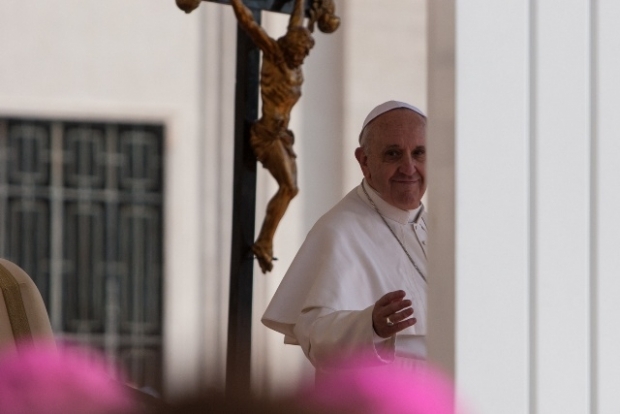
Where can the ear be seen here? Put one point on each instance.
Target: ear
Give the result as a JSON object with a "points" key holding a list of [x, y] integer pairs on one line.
{"points": [[362, 159]]}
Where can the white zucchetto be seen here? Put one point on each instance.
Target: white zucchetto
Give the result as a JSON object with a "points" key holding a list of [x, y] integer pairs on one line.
{"points": [[388, 106]]}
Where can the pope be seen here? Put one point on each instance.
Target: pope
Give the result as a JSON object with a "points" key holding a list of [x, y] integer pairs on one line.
{"points": [[359, 282]]}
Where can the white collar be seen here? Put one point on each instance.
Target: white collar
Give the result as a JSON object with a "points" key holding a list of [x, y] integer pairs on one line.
{"points": [[389, 211]]}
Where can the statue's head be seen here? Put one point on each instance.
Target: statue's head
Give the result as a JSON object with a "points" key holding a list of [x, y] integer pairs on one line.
{"points": [[296, 45]]}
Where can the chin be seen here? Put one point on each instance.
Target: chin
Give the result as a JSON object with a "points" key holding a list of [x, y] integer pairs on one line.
{"points": [[408, 202]]}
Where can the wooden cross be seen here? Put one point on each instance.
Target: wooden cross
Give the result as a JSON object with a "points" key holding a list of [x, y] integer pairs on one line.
{"points": [[244, 193]]}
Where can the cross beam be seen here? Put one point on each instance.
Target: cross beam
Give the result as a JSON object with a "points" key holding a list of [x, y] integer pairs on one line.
{"points": [[281, 6]]}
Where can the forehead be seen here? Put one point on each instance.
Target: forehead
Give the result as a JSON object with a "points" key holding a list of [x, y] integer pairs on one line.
{"points": [[401, 127]]}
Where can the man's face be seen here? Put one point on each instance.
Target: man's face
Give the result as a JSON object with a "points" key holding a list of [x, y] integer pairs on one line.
{"points": [[394, 163], [295, 54]]}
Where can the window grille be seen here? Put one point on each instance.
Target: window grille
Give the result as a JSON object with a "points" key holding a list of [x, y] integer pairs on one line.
{"points": [[81, 212]]}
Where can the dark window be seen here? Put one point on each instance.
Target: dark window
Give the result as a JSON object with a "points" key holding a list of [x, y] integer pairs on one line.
{"points": [[81, 212]]}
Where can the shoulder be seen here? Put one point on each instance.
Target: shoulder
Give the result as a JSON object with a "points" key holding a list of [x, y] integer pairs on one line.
{"points": [[349, 211], [344, 228]]}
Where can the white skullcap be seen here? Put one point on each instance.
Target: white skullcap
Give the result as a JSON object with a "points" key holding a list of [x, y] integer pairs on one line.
{"points": [[386, 107]]}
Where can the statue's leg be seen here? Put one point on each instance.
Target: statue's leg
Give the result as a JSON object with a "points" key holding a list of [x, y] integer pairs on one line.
{"points": [[279, 159]]}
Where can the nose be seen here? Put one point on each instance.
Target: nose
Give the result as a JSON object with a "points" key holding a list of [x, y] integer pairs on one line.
{"points": [[408, 165]]}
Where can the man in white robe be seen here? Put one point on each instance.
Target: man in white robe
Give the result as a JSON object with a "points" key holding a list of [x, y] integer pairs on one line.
{"points": [[358, 282]]}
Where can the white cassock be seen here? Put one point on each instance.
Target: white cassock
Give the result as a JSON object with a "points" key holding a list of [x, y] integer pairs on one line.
{"points": [[347, 262]]}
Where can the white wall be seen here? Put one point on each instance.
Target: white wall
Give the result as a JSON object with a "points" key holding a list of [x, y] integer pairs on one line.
{"points": [[521, 106]]}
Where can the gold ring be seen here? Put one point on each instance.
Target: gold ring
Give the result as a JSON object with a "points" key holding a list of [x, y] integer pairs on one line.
{"points": [[389, 321]]}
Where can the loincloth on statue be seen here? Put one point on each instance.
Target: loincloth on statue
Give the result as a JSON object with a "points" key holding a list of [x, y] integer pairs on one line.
{"points": [[263, 141]]}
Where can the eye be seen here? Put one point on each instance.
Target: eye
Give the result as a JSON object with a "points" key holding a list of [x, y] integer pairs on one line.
{"points": [[392, 154], [419, 153]]}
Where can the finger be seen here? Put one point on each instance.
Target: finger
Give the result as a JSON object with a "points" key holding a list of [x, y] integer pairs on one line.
{"points": [[394, 307], [394, 318], [400, 326], [386, 299], [385, 331], [400, 316]]}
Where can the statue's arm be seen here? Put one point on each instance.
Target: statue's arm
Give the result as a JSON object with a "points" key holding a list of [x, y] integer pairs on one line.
{"points": [[256, 33]]}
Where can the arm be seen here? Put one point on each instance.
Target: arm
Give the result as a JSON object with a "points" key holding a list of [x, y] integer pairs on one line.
{"points": [[256, 33], [297, 17], [324, 333]]}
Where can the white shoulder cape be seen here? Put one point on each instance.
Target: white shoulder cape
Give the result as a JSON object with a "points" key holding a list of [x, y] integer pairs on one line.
{"points": [[347, 262]]}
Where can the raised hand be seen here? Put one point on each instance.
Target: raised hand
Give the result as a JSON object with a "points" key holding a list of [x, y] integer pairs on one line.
{"points": [[391, 314]]}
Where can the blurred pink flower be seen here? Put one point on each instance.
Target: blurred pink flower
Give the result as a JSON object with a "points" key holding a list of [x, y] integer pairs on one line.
{"points": [[355, 387], [37, 380]]}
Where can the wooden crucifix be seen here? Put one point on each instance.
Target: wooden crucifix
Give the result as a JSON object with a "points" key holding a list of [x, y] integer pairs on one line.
{"points": [[267, 139]]}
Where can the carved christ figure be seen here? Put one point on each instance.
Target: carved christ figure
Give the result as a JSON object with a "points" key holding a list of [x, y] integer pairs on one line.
{"points": [[280, 85]]}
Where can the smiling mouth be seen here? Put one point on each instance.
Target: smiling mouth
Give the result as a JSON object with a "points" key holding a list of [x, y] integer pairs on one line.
{"points": [[414, 181]]}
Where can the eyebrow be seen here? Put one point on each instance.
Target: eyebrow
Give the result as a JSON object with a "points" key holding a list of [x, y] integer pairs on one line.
{"points": [[396, 146]]}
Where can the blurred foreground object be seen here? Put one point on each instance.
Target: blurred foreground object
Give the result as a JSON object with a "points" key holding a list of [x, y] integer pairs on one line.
{"points": [[219, 403], [46, 380], [23, 317], [357, 388]]}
